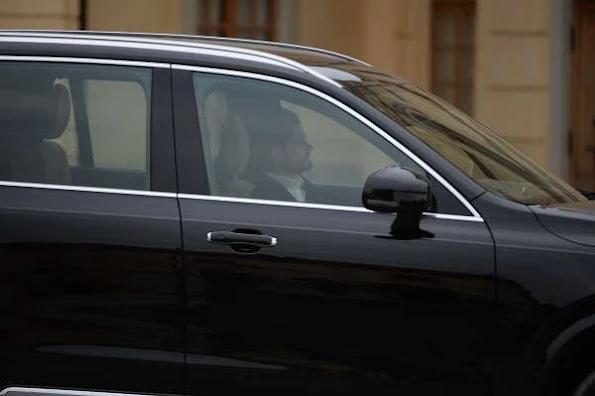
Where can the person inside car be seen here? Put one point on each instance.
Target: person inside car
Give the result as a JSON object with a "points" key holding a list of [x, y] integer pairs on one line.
{"points": [[281, 154]]}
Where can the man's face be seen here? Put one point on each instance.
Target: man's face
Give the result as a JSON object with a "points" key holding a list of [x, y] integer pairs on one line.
{"points": [[294, 156]]}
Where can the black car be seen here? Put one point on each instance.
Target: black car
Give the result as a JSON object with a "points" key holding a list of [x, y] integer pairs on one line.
{"points": [[202, 216]]}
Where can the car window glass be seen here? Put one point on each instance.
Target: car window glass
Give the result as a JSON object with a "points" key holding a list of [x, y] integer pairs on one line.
{"points": [[478, 152], [269, 141], [331, 141], [83, 125], [116, 131]]}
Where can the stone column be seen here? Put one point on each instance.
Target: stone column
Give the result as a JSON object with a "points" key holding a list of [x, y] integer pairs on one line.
{"points": [[512, 89]]}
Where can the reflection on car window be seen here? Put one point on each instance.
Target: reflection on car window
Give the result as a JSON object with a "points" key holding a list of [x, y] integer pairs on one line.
{"points": [[481, 154], [268, 141]]}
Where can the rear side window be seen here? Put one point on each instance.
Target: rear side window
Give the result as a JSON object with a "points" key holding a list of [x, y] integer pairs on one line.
{"points": [[81, 125]]}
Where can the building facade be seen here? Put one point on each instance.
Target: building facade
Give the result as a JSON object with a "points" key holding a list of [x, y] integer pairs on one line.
{"points": [[526, 68]]}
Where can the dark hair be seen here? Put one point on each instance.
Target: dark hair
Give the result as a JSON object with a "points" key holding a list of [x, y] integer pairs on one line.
{"points": [[275, 131], [278, 129]]}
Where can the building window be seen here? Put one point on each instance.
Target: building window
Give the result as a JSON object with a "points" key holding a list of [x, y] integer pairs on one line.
{"points": [[453, 42], [252, 19]]}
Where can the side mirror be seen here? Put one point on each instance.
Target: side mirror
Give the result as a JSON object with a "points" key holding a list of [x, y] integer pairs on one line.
{"points": [[401, 191], [396, 190]]}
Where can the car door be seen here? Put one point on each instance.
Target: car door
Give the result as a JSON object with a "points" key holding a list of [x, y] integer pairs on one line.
{"points": [[90, 243], [314, 295]]}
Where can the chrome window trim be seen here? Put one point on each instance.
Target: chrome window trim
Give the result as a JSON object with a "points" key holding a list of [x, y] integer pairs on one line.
{"points": [[168, 45], [65, 392], [315, 206], [158, 194], [342, 106], [98, 61], [101, 190]]}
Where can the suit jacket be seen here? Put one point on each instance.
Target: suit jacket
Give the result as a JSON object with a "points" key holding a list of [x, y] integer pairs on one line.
{"points": [[266, 187]]}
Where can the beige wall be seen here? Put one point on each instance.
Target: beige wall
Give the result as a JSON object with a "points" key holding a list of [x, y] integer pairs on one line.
{"points": [[332, 24], [397, 38], [39, 14], [391, 34], [161, 16], [512, 92], [118, 15], [513, 73]]}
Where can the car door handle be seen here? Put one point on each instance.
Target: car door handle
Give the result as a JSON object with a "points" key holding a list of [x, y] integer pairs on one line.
{"points": [[241, 239]]}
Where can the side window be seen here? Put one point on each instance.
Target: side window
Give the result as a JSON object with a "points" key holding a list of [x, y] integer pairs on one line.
{"points": [[269, 141], [332, 141], [118, 133], [81, 125]]}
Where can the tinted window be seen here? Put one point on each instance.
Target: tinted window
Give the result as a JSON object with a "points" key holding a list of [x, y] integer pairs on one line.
{"points": [[478, 152], [84, 125], [269, 141]]}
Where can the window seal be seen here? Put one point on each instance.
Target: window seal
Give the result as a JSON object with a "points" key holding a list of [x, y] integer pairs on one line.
{"points": [[161, 194]]}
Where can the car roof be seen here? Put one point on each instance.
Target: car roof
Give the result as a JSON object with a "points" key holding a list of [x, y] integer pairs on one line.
{"points": [[294, 56]]}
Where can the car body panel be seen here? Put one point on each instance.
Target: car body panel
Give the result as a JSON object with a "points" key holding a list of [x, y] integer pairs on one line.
{"points": [[338, 304], [573, 222], [543, 289], [91, 278], [88, 281]]}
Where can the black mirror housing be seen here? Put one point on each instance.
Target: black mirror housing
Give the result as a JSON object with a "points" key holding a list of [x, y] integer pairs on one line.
{"points": [[396, 190], [401, 191]]}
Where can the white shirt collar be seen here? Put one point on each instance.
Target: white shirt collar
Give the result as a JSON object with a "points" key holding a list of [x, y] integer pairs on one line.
{"points": [[293, 184]]}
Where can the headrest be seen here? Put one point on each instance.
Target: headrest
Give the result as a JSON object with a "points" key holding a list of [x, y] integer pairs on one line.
{"points": [[41, 111], [251, 103], [278, 129], [234, 150], [60, 97]]}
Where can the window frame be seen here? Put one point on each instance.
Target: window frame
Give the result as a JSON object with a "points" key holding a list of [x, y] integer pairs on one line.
{"points": [[194, 184], [161, 153]]}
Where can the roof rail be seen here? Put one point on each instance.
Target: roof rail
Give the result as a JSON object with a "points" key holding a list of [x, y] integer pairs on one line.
{"points": [[126, 38], [321, 51]]}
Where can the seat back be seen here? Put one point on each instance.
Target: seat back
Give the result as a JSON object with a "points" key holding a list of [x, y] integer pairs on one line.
{"points": [[33, 112], [232, 159], [226, 137]]}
